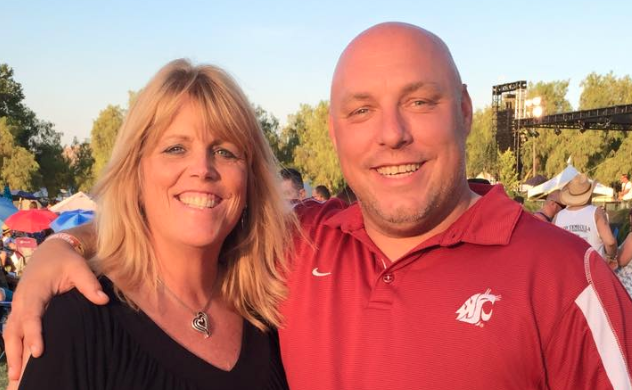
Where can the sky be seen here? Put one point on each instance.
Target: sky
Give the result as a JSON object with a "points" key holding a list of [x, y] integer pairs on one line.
{"points": [[74, 58]]}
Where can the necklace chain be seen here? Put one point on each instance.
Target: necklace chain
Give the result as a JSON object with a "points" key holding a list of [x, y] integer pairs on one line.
{"points": [[174, 296], [200, 322]]}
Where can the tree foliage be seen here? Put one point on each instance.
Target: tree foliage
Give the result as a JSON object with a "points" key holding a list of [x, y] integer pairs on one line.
{"points": [[314, 154], [601, 154], [481, 149], [81, 166], [37, 159], [18, 165], [550, 158], [616, 154], [103, 135], [507, 174]]}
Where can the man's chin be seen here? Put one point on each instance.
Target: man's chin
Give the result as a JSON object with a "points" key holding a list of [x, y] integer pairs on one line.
{"points": [[400, 222]]}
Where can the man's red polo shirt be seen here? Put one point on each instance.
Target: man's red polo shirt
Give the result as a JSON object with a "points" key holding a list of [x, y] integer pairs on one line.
{"points": [[500, 300]]}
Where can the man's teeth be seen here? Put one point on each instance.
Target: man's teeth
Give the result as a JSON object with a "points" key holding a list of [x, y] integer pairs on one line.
{"points": [[398, 170], [199, 201]]}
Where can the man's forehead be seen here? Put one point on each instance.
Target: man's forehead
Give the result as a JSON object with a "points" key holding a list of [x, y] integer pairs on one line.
{"points": [[393, 57], [360, 92]]}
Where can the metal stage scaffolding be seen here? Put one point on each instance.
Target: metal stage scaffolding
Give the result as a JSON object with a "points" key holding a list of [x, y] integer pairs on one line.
{"points": [[512, 121]]}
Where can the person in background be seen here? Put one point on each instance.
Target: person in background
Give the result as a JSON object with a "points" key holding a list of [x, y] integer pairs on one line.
{"points": [[292, 185], [551, 207], [7, 236], [626, 187], [6, 294], [347, 195], [625, 250], [5, 261], [321, 193], [478, 180], [583, 219]]}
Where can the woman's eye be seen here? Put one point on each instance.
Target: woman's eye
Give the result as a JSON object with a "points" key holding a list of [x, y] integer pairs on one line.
{"points": [[225, 153], [175, 149]]}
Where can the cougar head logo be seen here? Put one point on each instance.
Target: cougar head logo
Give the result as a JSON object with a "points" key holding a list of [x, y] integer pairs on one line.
{"points": [[472, 310]]}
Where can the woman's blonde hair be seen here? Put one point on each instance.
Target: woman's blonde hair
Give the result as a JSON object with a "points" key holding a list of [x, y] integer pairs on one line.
{"points": [[253, 255]]}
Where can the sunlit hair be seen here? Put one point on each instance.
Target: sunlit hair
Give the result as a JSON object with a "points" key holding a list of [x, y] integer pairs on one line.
{"points": [[253, 255]]}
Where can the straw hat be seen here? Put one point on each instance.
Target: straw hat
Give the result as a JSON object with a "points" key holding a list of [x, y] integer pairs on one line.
{"points": [[578, 191]]}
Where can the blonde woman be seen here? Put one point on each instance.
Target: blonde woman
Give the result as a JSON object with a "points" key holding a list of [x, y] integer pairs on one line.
{"points": [[191, 235]]}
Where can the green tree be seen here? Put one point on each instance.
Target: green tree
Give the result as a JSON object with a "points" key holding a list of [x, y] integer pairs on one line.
{"points": [[103, 135], [616, 146], [35, 136], [289, 140], [314, 155], [54, 173], [24, 123], [18, 165], [605, 90], [270, 127], [551, 154], [481, 148], [11, 94], [507, 174], [81, 166]]}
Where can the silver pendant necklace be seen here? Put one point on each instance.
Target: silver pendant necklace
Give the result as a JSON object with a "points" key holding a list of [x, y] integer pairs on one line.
{"points": [[200, 322]]}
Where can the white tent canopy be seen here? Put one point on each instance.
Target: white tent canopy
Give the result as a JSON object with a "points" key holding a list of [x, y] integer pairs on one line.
{"points": [[75, 202], [560, 180]]}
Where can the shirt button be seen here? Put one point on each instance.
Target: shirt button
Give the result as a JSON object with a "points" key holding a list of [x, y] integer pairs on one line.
{"points": [[388, 278]]}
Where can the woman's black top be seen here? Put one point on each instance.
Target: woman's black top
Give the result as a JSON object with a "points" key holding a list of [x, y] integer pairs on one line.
{"points": [[115, 347]]}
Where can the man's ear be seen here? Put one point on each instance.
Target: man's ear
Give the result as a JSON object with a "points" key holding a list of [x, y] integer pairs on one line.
{"points": [[466, 109], [302, 194]]}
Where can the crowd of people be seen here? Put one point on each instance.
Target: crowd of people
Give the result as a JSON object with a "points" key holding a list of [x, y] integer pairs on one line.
{"points": [[200, 276]]}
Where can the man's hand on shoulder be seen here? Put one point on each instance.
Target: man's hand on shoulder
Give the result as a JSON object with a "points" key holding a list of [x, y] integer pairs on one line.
{"points": [[54, 268]]}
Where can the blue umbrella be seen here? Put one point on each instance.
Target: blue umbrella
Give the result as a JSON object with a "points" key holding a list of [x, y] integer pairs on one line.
{"points": [[70, 219], [6, 208]]}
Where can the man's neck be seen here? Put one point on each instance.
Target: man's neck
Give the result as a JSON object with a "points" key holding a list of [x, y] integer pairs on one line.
{"points": [[396, 246]]}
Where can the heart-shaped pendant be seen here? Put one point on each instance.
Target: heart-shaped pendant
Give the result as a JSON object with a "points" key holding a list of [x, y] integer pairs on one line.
{"points": [[201, 324]]}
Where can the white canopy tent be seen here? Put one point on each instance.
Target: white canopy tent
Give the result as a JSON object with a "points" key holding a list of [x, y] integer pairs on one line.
{"points": [[75, 202], [560, 180]]}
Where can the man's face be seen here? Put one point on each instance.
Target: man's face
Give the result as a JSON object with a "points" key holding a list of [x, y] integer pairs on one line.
{"points": [[623, 179], [290, 192], [399, 120], [555, 206]]}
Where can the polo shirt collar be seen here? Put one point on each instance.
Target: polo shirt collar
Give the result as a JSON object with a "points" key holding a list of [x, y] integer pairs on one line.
{"points": [[490, 221]]}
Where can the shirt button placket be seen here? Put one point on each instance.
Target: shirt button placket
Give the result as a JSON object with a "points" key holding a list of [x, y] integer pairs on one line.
{"points": [[388, 278]]}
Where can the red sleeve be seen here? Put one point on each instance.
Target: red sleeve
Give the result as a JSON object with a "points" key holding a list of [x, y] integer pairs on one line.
{"points": [[592, 345]]}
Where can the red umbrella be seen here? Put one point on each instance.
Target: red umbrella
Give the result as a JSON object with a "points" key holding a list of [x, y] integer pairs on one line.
{"points": [[30, 221]]}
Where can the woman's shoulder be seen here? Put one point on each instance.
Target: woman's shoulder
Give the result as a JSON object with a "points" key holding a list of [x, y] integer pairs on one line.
{"points": [[75, 312]]}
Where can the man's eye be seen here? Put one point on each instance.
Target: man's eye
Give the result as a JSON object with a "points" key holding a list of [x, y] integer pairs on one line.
{"points": [[175, 149], [422, 103], [360, 111]]}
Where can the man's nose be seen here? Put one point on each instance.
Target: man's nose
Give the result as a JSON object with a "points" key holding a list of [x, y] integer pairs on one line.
{"points": [[394, 132]]}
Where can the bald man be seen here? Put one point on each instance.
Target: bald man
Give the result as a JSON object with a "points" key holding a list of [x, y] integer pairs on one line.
{"points": [[550, 207], [424, 282]]}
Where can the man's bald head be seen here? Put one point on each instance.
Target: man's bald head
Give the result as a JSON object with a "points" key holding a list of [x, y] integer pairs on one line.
{"points": [[388, 38], [398, 118]]}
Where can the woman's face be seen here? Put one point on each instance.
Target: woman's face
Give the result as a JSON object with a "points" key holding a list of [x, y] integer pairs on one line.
{"points": [[193, 184]]}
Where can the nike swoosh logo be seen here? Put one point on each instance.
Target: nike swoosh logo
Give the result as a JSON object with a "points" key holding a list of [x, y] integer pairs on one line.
{"points": [[316, 273]]}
